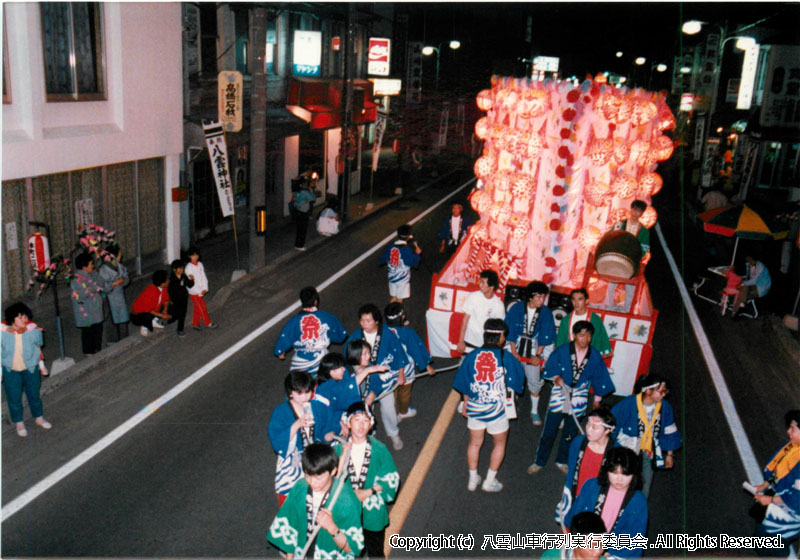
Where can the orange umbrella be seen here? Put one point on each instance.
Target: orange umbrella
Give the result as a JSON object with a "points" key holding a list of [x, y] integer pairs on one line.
{"points": [[741, 222]]}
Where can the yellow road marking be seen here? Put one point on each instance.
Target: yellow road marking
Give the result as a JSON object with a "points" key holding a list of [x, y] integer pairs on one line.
{"points": [[419, 471]]}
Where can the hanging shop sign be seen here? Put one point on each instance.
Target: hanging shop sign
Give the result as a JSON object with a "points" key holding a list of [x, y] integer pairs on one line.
{"points": [[230, 100], [307, 53], [546, 63], [386, 86], [218, 154], [378, 57], [748, 79]]}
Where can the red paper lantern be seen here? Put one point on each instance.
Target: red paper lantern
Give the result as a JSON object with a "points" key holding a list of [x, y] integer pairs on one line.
{"points": [[622, 151], [597, 193], [649, 217], [523, 186], [485, 100], [520, 226], [624, 186], [650, 183], [484, 167], [481, 201], [666, 120], [535, 145], [618, 215], [642, 154], [642, 112], [483, 127], [600, 151], [662, 148]]}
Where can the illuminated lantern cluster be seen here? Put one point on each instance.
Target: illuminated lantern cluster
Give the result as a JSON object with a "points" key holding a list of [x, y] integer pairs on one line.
{"points": [[622, 151], [649, 184], [484, 167], [600, 151], [649, 217], [642, 112], [624, 186], [521, 226], [596, 193], [483, 127], [523, 186], [589, 237], [662, 148], [481, 200], [485, 100], [641, 154]]}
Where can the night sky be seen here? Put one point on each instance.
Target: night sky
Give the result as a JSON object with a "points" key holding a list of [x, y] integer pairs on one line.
{"points": [[585, 36]]}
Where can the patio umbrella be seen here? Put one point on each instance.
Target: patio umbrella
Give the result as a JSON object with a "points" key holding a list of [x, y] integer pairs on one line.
{"points": [[741, 222]]}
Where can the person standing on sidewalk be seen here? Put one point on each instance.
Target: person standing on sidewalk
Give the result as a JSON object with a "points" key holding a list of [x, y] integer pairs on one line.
{"points": [[87, 304], [115, 278], [178, 290], [454, 230], [22, 363], [302, 203], [197, 274]]}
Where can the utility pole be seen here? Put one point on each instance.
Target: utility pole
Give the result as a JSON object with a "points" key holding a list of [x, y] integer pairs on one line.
{"points": [[345, 152], [258, 132]]}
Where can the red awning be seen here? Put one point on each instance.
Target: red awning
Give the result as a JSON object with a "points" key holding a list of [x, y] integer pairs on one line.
{"points": [[319, 101]]}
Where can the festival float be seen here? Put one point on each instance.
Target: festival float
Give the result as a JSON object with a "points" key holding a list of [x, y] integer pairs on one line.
{"points": [[561, 165]]}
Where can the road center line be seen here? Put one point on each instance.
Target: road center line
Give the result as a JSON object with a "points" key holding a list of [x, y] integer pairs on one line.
{"points": [[734, 422], [75, 463]]}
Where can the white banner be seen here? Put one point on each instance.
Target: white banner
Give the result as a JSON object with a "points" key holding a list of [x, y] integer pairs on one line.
{"points": [[218, 154], [380, 128]]}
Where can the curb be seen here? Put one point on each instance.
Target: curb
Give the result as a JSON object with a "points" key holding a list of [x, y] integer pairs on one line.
{"points": [[785, 338]]}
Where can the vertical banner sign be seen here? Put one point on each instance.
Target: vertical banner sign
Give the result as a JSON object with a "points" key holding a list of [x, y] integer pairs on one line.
{"points": [[749, 164], [307, 53], [708, 162], [380, 128], [378, 59], [748, 78], [443, 126], [230, 100], [699, 128], [84, 214], [218, 154]]}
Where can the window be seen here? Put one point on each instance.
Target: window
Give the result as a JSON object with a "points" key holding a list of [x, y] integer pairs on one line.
{"points": [[271, 50], [241, 25], [72, 40]]}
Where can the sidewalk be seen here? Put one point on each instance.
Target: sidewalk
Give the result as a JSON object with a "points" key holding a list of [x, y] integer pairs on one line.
{"points": [[219, 257]]}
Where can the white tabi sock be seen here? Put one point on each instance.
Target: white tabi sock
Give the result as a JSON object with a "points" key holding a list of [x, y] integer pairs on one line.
{"points": [[535, 404], [473, 475], [490, 476]]}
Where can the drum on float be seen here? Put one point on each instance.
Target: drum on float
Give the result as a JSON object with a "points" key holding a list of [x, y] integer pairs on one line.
{"points": [[618, 254]]}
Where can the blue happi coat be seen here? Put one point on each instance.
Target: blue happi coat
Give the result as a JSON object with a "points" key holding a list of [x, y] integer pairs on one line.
{"points": [[784, 520], [416, 351], [665, 438], [544, 332], [390, 353], [483, 377], [338, 396], [632, 520], [309, 333], [400, 259], [595, 375]]}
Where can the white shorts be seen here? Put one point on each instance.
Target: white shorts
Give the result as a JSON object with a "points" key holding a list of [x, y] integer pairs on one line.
{"points": [[401, 290], [494, 427]]}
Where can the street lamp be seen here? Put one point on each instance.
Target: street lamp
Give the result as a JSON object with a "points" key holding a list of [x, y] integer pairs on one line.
{"points": [[429, 50]]}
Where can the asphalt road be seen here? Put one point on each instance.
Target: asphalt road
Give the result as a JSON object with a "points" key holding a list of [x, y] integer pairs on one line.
{"points": [[196, 477]]}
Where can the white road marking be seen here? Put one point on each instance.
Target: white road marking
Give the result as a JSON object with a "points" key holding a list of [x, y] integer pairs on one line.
{"points": [[74, 464], [734, 422]]}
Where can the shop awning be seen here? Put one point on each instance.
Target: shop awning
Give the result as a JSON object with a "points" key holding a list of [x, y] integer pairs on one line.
{"points": [[319, 102]]}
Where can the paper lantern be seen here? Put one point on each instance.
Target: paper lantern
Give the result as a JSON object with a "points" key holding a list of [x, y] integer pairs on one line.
{"points": [[485, 100], [642, 112], [600, 151], [650, 183], [520, 226], [500, 98], [484, 166], [641, 153], [649, 217], [522, 186], [502, 181], [521, 140], [596, 193], [662, 148], [494, 211], [624, 186], [480, 232], [615, 108], [540, 102], [622, 151], [504, 216], [535, 146], [618, 215], [589, 237], [498, 136], [481, 200], [666, 121], [513, 138], [525, 104], [483, 127]]}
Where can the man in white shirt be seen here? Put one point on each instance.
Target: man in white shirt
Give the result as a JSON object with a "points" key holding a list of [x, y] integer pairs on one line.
{"points": [[479, 306]]}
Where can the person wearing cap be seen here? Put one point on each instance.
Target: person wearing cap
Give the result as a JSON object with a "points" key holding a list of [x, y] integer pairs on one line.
{"points": [[400, 257], [587, 454], [454, 230], [484, 379], [646, 425], [780, 491], [372, 474], [532, 334], [574, 368]]}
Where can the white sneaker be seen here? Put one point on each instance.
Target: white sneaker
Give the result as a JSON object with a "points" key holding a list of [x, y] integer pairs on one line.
{"points": [[472, 485], [157, 324], [493, 486], [397, 443], [143, 331], [403, 415]]}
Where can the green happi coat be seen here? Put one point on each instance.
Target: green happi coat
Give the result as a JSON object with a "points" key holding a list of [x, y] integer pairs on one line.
{"points": [[288, 531], [383, 472]]}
